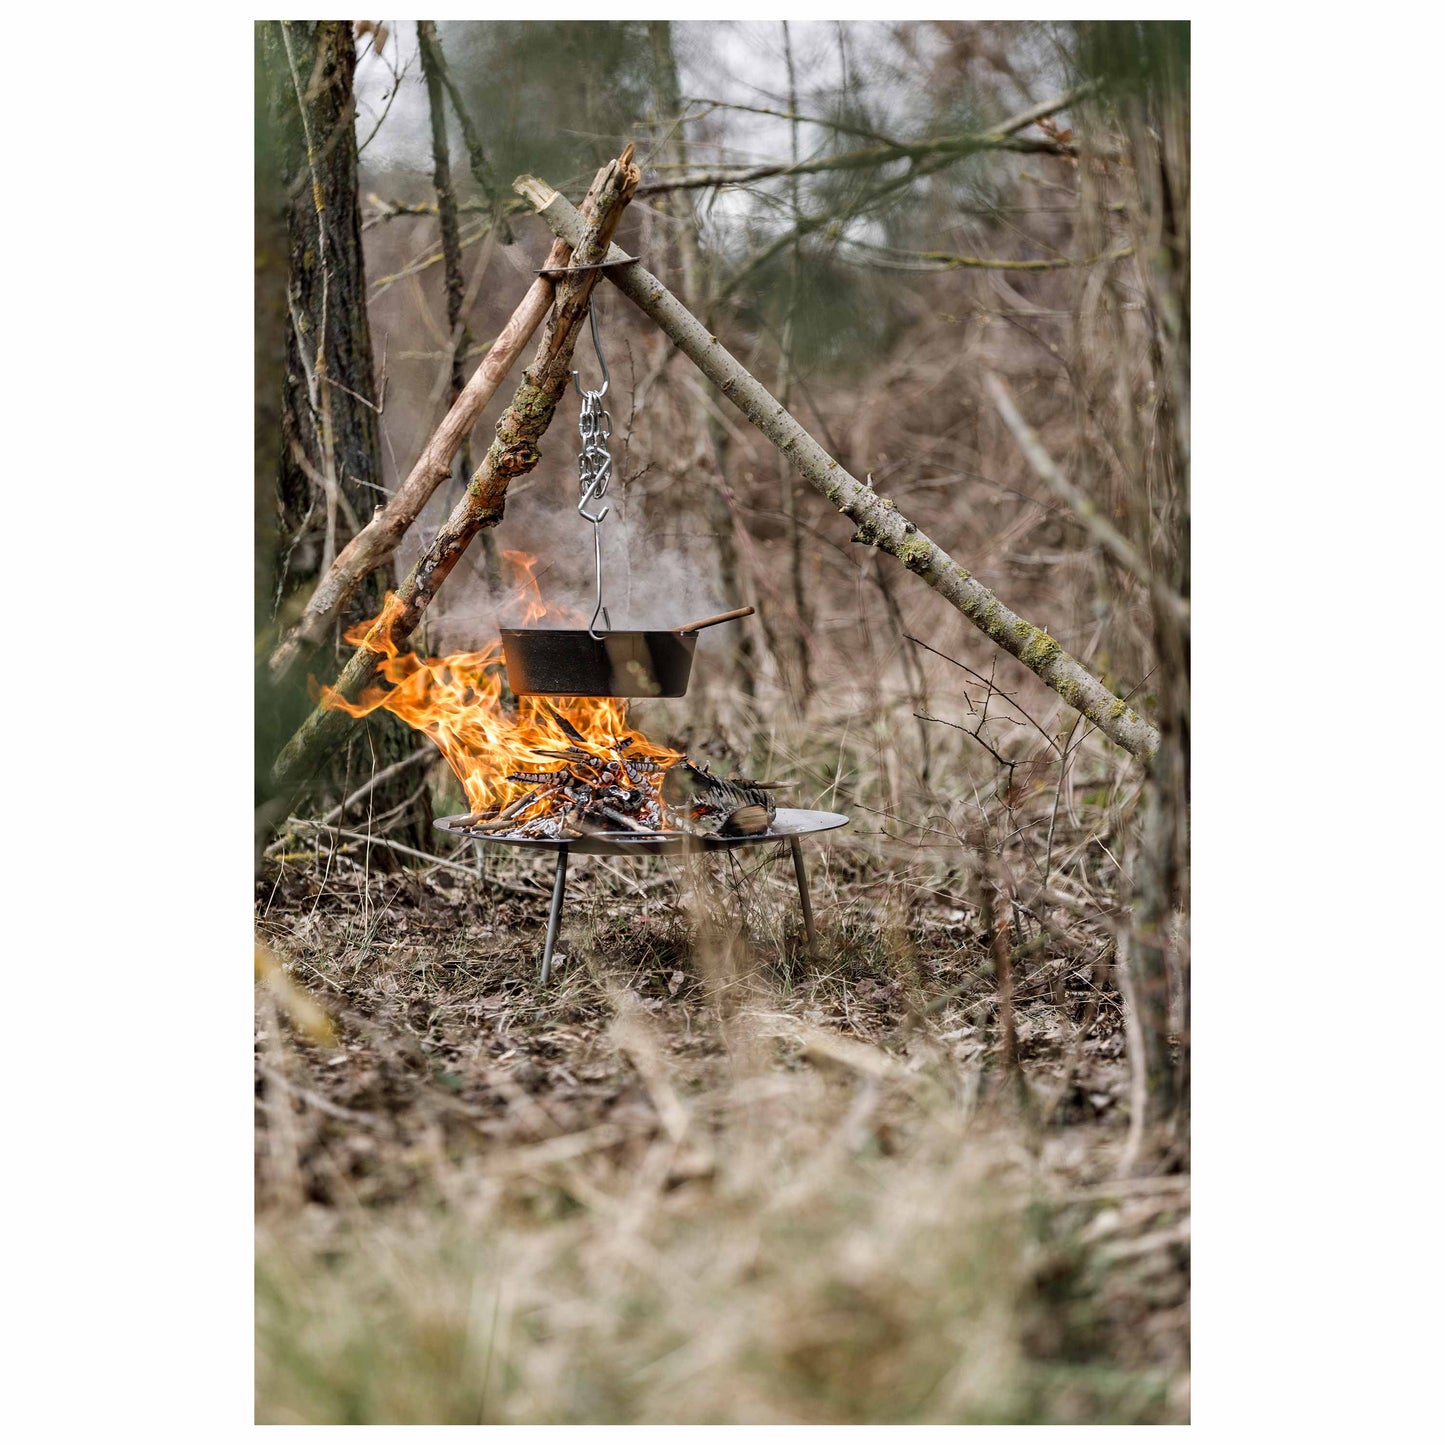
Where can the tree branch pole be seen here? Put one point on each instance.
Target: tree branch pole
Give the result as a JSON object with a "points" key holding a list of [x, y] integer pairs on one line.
{"points": [[376, 542], [512, 454], [878, 520]]}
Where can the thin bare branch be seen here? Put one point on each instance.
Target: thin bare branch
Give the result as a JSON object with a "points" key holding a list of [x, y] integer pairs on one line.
{"points": [[947, 261], [481, 170], [1084, 508], [944, 149]]}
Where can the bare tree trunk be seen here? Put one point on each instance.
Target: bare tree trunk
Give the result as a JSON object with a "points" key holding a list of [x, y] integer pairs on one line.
{"points": [[738, 660], [1144, 973], [446, 212], [1146, 99], [270, 377], [330, 470], [476, 156], [877, 518], [802, 633], [331, 452], [458, 333]]}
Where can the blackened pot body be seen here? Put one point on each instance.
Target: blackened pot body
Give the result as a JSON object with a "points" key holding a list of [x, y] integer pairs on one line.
{"points": [[570, 662]]}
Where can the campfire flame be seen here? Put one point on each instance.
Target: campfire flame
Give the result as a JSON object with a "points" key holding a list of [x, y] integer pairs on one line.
{"points": [[457, 702]]}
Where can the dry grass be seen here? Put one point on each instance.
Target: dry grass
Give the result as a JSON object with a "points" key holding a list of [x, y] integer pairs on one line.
{"points": [[706, 1178]]}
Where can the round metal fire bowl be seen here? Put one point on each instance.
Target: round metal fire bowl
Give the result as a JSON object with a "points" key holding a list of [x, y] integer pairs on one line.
{"points": [[789, 823]]}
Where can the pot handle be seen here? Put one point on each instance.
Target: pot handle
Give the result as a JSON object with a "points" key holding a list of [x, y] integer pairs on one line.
{"points": [[713, 621]]}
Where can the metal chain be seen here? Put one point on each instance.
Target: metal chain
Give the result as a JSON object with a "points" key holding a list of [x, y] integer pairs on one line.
{"points": [[594, 467], [594, 462]]}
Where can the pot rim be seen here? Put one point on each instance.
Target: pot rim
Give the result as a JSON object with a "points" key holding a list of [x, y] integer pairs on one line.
{"points": [[598, 637]]}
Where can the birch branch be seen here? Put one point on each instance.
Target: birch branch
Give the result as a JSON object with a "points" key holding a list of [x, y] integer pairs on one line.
{"points": [[512, 454], [878, 521]]}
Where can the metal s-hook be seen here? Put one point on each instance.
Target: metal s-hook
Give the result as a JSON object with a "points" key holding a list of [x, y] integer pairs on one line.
{"points": [[599, 610], [601, 360]]}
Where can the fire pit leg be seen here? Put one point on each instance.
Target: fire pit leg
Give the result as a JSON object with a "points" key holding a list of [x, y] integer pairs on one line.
{"points": [[555, 917], [803, 896]]}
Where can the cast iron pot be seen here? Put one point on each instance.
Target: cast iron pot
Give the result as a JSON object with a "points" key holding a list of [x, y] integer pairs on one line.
{"points": [[571, 662]]}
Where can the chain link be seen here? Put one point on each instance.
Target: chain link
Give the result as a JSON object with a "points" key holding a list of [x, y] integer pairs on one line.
{"points": [[594, 461], [594, 467]]}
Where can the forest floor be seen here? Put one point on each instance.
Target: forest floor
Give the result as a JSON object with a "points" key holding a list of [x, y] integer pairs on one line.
{"points": [[706, 1176]]}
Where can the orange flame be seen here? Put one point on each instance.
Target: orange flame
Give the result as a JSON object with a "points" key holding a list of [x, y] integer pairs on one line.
{"points": [[457, 702], [528, 593]]}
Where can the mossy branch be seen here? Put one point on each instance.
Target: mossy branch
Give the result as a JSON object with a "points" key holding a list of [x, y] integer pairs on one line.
{"points": [[877, 519], [513, 453]]}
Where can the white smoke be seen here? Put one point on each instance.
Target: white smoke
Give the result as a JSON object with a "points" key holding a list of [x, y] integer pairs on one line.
{"points": [[657, 572]]}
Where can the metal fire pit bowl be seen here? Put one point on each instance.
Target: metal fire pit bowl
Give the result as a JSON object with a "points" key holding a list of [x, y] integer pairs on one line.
{"points": [[789, 826]]}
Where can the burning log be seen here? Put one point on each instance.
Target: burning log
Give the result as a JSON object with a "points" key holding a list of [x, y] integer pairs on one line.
{"points": [[717, 806], [622, 820], [747, 821], [566, 726], [597, 794]]}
